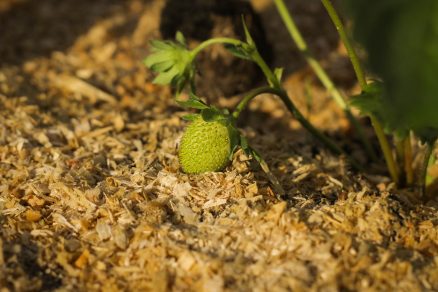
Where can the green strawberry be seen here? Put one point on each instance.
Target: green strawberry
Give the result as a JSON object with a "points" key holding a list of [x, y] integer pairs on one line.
{"points": [[205, 146]]}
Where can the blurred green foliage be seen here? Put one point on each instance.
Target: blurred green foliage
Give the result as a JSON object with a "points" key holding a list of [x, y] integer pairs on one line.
{"points": [[401, 38]]}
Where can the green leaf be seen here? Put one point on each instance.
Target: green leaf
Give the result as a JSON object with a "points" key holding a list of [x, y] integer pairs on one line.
{"points": [[401, 38], [159, 45], [243, 50], [172, 61], [244, 143], [256, 155], [235, 139], [212, 114], [161, 66], [180, 38], [369, 101], [239, 51], [158, 57], [166, 77], [249, 39], [193, 102], [278, 72], [190, 117]]}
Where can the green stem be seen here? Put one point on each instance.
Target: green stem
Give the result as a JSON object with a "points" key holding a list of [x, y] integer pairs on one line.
{"points": [[247, 98], [270, 76], [430, 179], [280, 92], [327, 142], [343, 35], [213, 41], [361, 134], [273, 179], [386, 149], [321, 73], [424, 167], [275, 88], [303, 48], [383, 141], [306, 124]]}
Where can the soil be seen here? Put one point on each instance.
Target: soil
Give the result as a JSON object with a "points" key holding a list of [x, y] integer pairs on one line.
{"points": [[91, 193]]}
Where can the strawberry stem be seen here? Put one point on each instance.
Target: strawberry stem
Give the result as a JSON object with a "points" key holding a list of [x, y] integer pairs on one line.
{"points": [[346, 41], [247, 98], [386, 149], [213, 41], [275, 88], [281, 93]]}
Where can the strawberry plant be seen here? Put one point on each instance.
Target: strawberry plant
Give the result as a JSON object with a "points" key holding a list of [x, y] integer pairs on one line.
{"points": [[401, 38], [174, 64]]}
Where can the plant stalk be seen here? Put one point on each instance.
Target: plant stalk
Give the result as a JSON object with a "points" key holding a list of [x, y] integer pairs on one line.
{"points": [[247, 98], [275, 88], [360, 75], [431, 179], [327, 142], [408, 161], [423, 170], [303, 48], [386, 149], [270, 76], [213, 41], [321, 73], [345, 40], [272, 178], [280, 92]]}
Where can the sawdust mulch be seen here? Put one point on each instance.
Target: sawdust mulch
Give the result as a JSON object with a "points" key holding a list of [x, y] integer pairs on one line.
{"points": [[92, 197]]}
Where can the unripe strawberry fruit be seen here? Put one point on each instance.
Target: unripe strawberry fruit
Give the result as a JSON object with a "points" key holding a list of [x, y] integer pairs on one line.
{"points": [[205, 146]]}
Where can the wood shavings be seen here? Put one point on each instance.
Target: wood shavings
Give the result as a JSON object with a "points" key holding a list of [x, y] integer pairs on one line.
{"points": [[92, 196], [32, 215], [214, 203], [76, 85], [82, 260], [103, 229], [276, 211]]}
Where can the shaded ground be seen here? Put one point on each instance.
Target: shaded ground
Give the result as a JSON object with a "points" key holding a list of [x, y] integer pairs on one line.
{"points": [[92, 198]]}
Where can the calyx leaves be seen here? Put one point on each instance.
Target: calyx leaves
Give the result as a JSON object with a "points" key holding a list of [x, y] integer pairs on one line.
{"points": [[172, 61], [243, 50], [192, 102]]}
